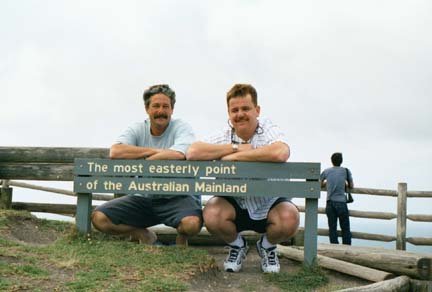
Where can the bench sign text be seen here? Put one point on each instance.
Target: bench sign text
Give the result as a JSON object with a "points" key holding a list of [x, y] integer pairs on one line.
{"points": [[156, 178], [193, 170]]}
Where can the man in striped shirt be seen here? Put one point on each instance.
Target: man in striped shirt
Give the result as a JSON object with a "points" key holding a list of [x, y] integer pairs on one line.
{"points": [[247, 138]]}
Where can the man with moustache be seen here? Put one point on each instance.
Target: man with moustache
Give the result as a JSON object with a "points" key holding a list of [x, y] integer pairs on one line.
{"points": [[157, 138], [247, 138]]}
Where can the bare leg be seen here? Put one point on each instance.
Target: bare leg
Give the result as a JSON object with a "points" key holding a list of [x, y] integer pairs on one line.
{"points": [[143, 235], [283, 222], [102, 223], [219, 216], [189, 226]]}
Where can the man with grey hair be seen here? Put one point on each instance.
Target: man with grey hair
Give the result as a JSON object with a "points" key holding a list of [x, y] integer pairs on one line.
{"points": [[157, 138]]}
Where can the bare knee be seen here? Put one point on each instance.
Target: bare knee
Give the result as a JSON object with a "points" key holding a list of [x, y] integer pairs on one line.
{"points": [[190, 225], [289, 223], [219, 216], [100, 221], [284, 222], [213, 217]]}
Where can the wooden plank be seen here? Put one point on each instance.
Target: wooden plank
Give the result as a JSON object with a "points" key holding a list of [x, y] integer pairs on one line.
{"points": [[398, 262], [369, 214], [348, 268], [36, 171], [56, 190], [181, 186], [361, 235], [64, 171], [168, 234], [62, 209], [420, 240], [401, 283], [419, 194], [50, 154], [375, 192], [420, 217], [181, 168]]}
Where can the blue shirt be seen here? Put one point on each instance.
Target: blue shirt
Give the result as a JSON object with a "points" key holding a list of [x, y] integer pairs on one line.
{"points": [[336, 177], [178, 136]]}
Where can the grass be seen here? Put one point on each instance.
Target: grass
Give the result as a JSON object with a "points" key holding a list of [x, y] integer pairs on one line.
{"points": [[106, 263], [96, 263], [303, 280], [127, 265]]}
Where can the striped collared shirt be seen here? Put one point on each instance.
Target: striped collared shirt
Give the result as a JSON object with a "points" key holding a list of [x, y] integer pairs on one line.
{"points": [[266, 133]]}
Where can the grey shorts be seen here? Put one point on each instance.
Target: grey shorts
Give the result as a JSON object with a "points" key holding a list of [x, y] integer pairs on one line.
{"points": [[145, 212]]}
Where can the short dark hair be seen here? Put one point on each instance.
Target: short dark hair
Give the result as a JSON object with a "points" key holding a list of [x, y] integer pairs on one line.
{"points": [[337, 159], [241, 90], [159, 88]]}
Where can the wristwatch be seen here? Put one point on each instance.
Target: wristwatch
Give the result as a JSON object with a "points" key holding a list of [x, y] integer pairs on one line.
{"points": [[235, 147]]}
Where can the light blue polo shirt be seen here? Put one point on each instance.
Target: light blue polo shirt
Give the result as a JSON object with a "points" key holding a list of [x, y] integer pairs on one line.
{"points": [[178, 136]]}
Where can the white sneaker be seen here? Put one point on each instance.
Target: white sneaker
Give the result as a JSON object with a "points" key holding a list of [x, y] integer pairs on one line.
{"points": [[235, 258], [269, 258]]}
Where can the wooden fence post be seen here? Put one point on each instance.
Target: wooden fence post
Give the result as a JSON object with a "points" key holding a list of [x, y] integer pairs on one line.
{"points": [[401, 216], [5, 195]]}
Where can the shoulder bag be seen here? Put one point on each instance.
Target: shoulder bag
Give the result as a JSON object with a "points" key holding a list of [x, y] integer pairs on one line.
{"points": [[349, 197]]}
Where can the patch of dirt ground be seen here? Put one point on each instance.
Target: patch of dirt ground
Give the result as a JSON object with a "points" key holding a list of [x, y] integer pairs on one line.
{"points": [[28, 230], [251, 279]]}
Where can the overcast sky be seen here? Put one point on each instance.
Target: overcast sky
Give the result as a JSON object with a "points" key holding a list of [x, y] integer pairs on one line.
{"points": [[348, 76]]}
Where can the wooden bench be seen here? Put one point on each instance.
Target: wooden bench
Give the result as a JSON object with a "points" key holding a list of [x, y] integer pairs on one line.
{"points": [[169, 177], [93, 173]]}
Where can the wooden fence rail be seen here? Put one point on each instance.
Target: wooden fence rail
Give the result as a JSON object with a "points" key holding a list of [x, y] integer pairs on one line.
{"points": [[24, 163], [68, 209]]}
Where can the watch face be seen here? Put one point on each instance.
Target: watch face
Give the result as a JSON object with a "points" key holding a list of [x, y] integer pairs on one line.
{"points": [[235, 147]]}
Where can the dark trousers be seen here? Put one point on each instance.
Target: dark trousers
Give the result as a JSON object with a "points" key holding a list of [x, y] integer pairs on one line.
{"points": [[335, 211]]}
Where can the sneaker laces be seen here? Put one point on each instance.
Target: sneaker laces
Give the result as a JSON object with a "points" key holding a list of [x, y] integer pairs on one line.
{"points": [[270, 256], [233, 253]]}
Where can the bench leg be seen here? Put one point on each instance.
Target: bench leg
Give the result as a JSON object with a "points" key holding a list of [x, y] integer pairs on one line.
{"points": [[83, 213], [311, 232]]}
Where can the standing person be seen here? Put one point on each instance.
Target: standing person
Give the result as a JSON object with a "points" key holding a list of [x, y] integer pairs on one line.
{"points": [[336, 178], [157, 138], [247, 138]]}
